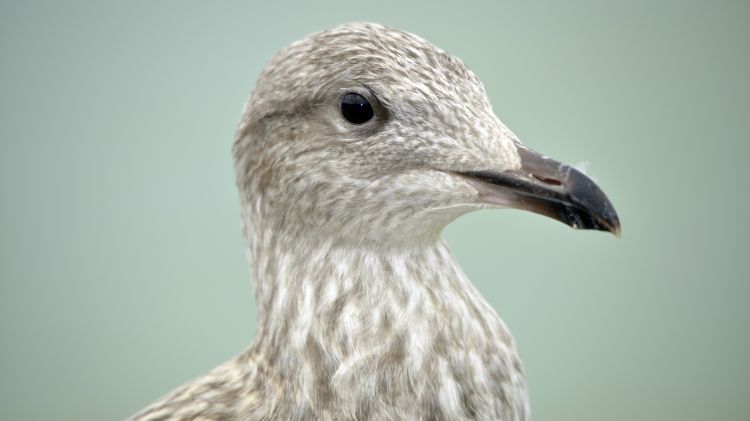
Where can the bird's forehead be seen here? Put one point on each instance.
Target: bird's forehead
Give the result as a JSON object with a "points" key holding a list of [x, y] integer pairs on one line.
{"points": [[399, 65]]}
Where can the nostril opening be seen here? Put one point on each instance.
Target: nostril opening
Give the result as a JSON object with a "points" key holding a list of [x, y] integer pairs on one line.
{"points": [[550, 181]]}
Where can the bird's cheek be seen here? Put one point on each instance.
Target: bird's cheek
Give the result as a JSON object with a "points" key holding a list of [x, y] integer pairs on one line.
{"points": [[455, 191]]}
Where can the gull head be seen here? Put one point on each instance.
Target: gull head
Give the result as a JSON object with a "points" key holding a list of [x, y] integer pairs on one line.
{"points": [[364, 133]]}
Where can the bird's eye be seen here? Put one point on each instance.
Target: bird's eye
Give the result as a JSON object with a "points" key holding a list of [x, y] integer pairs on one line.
{"points": [[356, 109]]}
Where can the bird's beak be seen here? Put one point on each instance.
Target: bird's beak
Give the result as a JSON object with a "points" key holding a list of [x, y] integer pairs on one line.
{"points": [[548, 187]]}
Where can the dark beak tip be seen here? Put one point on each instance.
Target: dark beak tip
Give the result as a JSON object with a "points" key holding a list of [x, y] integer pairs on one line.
{"points": [[616, 228], [613, 227], [581, 220], [591, 202], [551, 188], [610, 222]]}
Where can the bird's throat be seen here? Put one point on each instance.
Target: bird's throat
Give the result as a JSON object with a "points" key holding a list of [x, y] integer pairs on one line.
{"points": [[346, 321]]}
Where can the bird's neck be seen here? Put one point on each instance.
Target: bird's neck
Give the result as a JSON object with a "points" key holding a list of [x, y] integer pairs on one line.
{"points": [[342, 316], [336, 292]]}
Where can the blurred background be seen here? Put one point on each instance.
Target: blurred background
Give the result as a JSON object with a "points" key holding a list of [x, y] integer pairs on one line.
{"points": [[122, 268]]}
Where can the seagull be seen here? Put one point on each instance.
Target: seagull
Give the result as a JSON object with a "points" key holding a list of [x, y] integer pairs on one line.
{"points": [[358, 145]]}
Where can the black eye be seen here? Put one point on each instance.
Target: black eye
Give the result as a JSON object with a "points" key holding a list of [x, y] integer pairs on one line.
{"points": [[356, 109]]}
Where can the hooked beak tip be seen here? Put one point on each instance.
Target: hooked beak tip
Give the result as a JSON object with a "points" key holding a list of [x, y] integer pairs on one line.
{"points": [[550, 188]]}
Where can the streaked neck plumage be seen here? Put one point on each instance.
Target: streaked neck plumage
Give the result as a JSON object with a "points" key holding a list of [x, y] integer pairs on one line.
{"points": [[379, 332]]}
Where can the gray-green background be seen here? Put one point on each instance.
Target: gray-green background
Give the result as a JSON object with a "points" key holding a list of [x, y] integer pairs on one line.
{"points": [[122, 269]]}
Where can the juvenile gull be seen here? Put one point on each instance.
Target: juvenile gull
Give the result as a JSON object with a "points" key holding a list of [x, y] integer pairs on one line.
{"points": [[357, 146]]}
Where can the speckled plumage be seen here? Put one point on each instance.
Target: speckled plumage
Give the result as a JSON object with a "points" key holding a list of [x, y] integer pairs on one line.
{"points": [[363, 313]]}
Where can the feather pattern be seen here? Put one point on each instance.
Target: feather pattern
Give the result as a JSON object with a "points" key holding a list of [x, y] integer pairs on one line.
{"points": [[363, 312]]}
